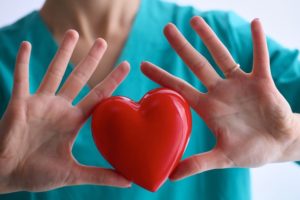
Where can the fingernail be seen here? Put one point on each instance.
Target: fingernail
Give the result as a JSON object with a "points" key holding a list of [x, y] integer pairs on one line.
{"points": [[129, 186], [255, 24], [146, 63], [195, 21], [73, 34], [126, 183], [100, 43], [26, 44], [170, 30], [125, 62]]}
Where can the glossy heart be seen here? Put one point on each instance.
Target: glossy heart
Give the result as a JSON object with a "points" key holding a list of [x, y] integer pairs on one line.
{"points": [[143, 141]]}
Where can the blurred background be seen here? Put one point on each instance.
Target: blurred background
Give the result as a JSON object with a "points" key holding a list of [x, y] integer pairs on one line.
{"points": [[280, 20]]}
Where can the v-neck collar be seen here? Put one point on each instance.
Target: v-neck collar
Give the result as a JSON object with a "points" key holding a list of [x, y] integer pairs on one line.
{"points": [[53, 45]]}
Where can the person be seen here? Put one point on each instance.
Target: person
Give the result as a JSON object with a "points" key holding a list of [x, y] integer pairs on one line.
{"points": [[240, 119]]}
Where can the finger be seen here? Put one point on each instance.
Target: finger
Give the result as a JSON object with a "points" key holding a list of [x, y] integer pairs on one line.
{"points": [[213, 159], [197, 63], [165, 79], [21, 81], [219, 52], [260, 50], [97, 176], [83, 71], [59, 63], [104, 89]]}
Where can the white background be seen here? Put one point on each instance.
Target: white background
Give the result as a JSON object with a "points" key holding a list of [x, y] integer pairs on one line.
{"points": [[280, 19]]}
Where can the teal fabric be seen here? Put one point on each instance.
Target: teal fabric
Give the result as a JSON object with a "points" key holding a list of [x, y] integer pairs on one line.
{"points": [[146, 42]]}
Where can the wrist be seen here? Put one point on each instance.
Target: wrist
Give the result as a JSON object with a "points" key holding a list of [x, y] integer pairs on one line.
{"points": [[8, 178], [5, 180], [8, 160], [7, 166], [291, 150]]}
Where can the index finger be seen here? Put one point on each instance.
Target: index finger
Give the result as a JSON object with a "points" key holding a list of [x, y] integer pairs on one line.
{"points": [[165, 79], [104, 89]]}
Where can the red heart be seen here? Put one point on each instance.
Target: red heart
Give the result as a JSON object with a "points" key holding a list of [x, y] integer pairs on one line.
{"points": [[143, 141]]}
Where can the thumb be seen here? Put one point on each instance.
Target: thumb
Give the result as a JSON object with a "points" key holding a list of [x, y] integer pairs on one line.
{"points": [[97, 176], [214, 159]]}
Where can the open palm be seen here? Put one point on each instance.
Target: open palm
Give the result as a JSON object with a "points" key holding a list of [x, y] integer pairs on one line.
{"points": [[38, 131], [248, 116]]}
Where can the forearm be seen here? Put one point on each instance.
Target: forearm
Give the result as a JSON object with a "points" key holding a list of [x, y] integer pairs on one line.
{"points": [[292, 150]]}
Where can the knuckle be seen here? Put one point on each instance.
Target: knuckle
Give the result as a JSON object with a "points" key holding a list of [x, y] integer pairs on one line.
{"points": [[92, 59], [99, 93], [222, 56], [182, 47], [114, 79], [63, 51], [208, 36], [80, 75], [197, 165], [54, 72], [199, 65], [180, 86], [71, 178]]}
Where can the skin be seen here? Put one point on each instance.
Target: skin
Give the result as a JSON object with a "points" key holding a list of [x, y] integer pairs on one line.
{"points": [[48, 155], [38, 130], [108, 19], [253, 123]]}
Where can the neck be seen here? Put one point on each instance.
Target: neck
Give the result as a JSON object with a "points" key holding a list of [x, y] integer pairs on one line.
{"points": [[91, 18]]}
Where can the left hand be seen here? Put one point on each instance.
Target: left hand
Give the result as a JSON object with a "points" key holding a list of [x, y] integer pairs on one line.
{"points": [[250, 119]]}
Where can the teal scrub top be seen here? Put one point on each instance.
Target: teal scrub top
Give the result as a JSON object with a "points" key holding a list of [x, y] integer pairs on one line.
{"points": [[146, 42]]}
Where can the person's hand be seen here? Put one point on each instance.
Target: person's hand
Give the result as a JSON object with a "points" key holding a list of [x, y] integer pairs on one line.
{"points": [[250, 119], [37, 131]]}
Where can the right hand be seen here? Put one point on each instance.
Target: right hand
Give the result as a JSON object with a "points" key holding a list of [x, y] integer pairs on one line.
{"points": [[37, 131]]}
